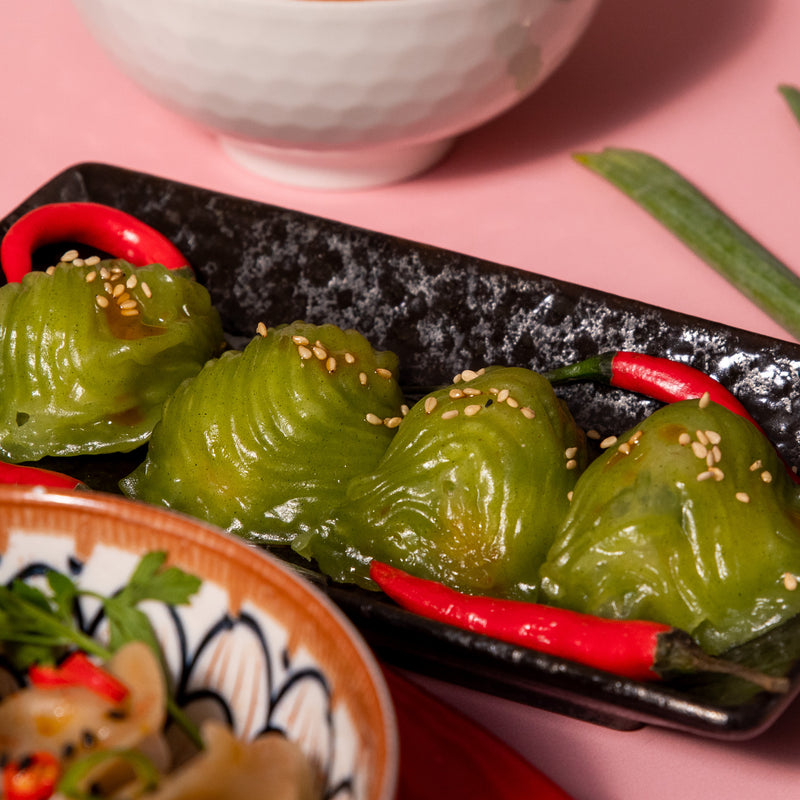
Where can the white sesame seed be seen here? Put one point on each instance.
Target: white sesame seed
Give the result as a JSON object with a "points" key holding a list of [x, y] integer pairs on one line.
{"points": [[92, 261], [699, 449], [374, 419], [512, 402], [570, 495], [704, 400], [624, 448], [362, 378], [122, 297], [128, 304], [609, 441], [635, 438], [70, 255], [457, 378], [383, 372], [701, 437], [571, 452], [450, 413], [469, 375], [455, 394], [684, 439], [130, 312], [304, 352], [90, 276], [493, 390], [789, 581], [717, 453], [349, 358], [146, 289], [50, 270], [392, 422], [757, 464], [766, 476], [528, 412], [78, 262], [132, 281], [330, 364], [404, 409], [593, 434], [572, 463], [320, 352], [101, 300], [104, 273], [299, 340], [471, 391], [743, 497], [430, 404], [502, 395], [717, 473], [472, 410], [108, 287], [261, 329], [713, 437], [704, 476]]}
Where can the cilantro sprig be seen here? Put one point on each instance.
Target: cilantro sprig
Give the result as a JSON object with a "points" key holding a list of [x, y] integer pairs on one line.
{"points": [[37, 626]]}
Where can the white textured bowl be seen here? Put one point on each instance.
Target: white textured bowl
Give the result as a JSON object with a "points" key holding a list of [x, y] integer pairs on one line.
{"points": [[256, 645], [337, 94]]}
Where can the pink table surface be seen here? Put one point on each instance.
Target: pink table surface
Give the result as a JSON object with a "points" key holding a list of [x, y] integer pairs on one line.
{"points": [[693, 82]]}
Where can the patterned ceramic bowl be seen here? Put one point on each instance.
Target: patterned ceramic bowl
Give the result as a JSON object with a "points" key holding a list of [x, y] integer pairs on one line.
{"points": [[256, 642], [337, 94]]}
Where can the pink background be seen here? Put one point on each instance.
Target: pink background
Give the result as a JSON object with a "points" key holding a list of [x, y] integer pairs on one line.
{"points": [[692, 82]]}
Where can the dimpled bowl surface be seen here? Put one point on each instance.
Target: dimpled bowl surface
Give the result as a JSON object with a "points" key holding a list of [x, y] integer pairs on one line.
{"points": [[291, 660], [337, 94]]}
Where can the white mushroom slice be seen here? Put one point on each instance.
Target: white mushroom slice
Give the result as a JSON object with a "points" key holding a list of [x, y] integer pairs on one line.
{"points": [[270, 766]]}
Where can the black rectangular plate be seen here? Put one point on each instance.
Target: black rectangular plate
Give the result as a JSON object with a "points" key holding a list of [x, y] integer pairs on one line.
{"points": [[443, 312]]}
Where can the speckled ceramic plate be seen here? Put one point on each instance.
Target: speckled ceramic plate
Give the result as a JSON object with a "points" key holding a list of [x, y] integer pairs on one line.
{"points": [[442, 312]]}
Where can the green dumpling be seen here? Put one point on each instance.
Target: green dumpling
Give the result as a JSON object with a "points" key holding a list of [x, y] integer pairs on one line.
{"points": [[470, 492], [691, 520], [89, 354], [264, 441]]}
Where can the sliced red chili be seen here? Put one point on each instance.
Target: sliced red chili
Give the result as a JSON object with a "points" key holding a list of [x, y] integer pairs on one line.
{"points": [[635, 649], [31, 778], [103, 227], [34, 476], [78, 670]]}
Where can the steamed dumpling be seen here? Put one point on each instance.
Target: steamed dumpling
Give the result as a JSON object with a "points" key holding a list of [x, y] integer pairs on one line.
{"points": [[264, 441], [89, 354]]}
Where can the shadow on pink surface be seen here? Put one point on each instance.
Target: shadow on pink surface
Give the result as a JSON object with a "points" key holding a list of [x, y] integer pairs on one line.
{"points": [[634, 57]]}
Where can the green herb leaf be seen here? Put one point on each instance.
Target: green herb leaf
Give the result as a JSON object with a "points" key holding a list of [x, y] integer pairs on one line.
{"points": [[36, 627], [704, 228], [792, 96]]}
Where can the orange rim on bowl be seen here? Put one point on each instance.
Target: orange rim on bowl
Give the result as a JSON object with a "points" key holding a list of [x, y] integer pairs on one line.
{"points": [[249, 575]]}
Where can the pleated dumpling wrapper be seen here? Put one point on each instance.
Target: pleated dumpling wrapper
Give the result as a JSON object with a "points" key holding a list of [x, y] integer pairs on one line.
{"points": [[689, 519], [89, 354], [471, 491], [264, 441]]}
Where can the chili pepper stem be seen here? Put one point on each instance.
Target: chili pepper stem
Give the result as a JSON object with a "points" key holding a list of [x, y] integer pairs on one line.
{"points": [[679, 652]]}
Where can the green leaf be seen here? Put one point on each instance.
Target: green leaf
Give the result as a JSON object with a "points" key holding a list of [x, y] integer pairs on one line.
{"points": [[707, 230], [792, 96]]}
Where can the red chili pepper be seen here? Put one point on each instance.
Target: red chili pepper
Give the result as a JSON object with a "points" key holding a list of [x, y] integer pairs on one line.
{"points": [[660, 378], [78, 670], [640, 650], [34, 476], [93, 224], [31, 778]]}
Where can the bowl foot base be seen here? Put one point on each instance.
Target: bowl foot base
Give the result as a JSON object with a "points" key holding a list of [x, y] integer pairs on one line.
{"points": [[335, 170]]}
